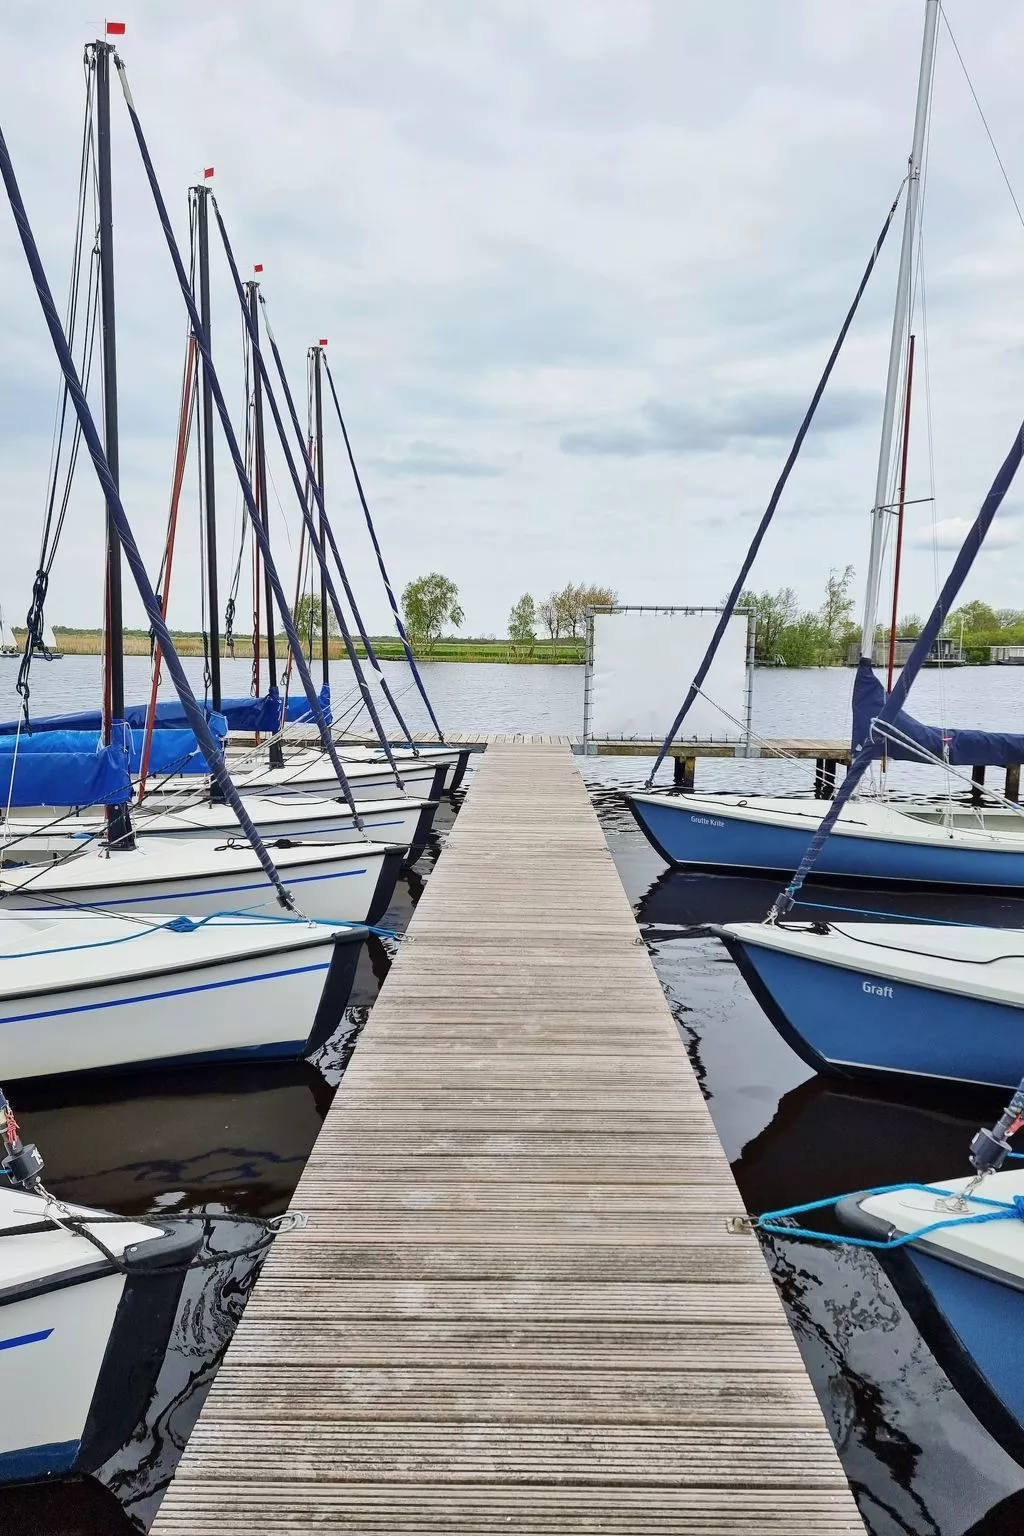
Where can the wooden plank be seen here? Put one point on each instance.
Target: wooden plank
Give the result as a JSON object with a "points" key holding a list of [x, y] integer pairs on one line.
{"points": [[516, 1306]]}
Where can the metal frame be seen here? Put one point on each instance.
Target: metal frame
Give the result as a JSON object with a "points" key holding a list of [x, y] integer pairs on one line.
{"points": [[743, 743]]}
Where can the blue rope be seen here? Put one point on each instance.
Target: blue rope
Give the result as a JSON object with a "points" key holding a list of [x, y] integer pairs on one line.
{"points": [[184, 924], [1002, 1210]]}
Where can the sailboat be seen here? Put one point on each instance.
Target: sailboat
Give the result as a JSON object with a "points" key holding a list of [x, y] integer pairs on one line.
{"points": [[87, 1304], [86, 992], [8, 645], [341, 883], [873, 840], [402, 820]]}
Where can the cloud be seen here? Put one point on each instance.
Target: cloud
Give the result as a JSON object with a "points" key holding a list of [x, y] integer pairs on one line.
{"points": [[422, 458], [949, 534], [746, 423], [580, 266]]}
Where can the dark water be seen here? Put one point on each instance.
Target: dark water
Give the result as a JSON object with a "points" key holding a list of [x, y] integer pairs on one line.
{"points": [[235, 1141]]}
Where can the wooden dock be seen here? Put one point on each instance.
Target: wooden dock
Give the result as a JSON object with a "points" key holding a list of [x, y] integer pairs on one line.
{"points": [[516, 1306], [612, 746]]}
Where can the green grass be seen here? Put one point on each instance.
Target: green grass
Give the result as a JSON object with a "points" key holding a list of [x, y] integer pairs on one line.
{"points": [[86, 642]]}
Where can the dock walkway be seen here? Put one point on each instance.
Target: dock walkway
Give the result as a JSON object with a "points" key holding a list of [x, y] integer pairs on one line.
{"points": [[516, 1306]]}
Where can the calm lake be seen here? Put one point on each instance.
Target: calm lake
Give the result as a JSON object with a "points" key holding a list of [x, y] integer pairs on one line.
{"points": [[235, 1140]]}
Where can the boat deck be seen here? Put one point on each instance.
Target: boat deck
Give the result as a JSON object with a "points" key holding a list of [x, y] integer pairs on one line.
{"points": [[516, 1306]]}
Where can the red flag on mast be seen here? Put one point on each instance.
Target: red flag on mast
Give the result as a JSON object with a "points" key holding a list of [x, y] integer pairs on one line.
{"points": [[208, 173], [115, 29], [323, 341], [258, 267]]}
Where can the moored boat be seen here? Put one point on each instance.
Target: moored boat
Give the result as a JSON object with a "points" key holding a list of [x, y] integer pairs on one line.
{"points": [[83, 992], [400, 820], [962, 1284], [82, 1333], [890, 999], [333, 882], [872, 841]]}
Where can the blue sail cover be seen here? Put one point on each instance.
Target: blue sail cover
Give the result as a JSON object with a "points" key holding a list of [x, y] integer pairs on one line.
{"points": [[967, 748], [245, 714], [75, 768], [66, 768]]}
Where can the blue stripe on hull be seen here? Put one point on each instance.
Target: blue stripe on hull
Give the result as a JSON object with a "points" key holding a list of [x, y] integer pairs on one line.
{"points": [[189, 894], [688, 836], [868, 1021], [157, 997], [38, 1461]]}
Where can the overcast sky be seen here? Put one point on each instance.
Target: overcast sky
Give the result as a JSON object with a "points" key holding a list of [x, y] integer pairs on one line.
{"points": [[579, 263]]}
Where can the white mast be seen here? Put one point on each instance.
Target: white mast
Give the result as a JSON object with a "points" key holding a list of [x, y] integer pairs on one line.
{"points": [[880, 512]]}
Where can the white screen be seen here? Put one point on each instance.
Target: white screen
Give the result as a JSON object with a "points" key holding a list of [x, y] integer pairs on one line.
{"points": [[643, 664]]}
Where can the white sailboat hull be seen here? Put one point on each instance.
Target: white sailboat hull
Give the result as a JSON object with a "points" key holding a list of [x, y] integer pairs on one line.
{"points": [[80, 1342], [400, 820], [313, 775], [344, 882], [87, 994]]}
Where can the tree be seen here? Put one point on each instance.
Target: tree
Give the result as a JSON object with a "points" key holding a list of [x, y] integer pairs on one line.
{"points": [[522, 625], [773, 613], [572, 604], [976, 617], [837, 609], [549, 614], [909, 627], [307, 622], [805, 643], [429, 603]]}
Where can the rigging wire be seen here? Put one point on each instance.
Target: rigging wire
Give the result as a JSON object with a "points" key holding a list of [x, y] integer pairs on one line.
{"points": [[981, 114], [75, 324]]}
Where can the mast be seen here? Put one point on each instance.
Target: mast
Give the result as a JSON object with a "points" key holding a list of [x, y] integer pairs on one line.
{"points": [[898, 557], [252, 290], [202, 195], [317, 353], [118, 817], [880, 511]]}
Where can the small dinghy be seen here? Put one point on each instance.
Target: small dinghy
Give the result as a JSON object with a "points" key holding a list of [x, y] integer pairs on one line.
{"points": [[401, 820], [87, 1303], [84, 992], [333, 882], [890, 999]]}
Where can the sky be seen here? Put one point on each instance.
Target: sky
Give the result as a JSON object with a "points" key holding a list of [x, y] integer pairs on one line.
{"points": [[579, 265]]}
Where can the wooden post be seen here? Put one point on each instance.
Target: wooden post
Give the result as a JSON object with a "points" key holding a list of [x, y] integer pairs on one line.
{"points": [[824, 778], [977, 783], [683, 770], [1012, 781]]}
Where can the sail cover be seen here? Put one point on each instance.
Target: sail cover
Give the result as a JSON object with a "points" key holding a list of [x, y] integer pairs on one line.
{"points": [[908, 740], [263, 714], [75, 768], [66, 768]]}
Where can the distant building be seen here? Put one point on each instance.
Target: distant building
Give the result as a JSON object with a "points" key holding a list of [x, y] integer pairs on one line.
{"points": [[1007, 655], [945, 653]]}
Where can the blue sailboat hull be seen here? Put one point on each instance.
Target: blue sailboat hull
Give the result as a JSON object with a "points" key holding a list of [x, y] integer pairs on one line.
{"points": [[862, 1022], [972, 1319], [701, 840]]}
